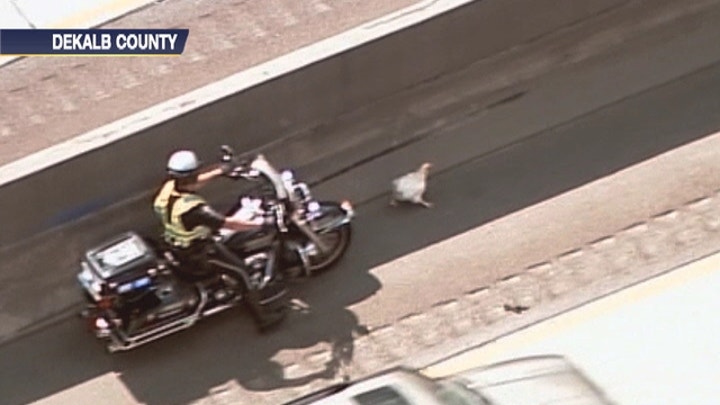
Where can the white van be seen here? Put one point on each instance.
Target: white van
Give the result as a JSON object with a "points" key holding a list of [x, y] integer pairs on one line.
{"points": [[536, 380]]}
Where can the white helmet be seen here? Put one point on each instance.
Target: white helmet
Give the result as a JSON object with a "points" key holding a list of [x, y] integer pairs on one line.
{"points": [[183, 163]]}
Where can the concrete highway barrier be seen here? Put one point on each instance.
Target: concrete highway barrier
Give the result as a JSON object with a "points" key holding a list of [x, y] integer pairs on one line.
{"points": [[284, 106]]}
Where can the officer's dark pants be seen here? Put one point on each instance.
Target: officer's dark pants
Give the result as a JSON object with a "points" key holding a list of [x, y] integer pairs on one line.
{"points": [[211, 260]]}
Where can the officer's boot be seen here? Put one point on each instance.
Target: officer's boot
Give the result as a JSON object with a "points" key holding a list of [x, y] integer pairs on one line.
{"points": [[265, 318]]}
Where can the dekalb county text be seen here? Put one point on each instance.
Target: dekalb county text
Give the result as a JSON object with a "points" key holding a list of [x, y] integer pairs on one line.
{"points": [[94, 41]]}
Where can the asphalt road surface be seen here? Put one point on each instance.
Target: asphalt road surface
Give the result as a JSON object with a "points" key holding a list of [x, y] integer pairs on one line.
{"points": [[521, 93], [472, 191]]}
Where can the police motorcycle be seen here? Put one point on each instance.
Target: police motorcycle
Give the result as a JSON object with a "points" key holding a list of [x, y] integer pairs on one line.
{"points": [[135, 294]]}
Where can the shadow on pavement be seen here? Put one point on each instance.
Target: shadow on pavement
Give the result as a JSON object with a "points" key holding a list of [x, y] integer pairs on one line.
{"points": [[228, 348]]}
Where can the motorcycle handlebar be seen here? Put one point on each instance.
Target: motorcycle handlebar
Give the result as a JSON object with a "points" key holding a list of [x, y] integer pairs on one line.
{"points": [[241, 165]]}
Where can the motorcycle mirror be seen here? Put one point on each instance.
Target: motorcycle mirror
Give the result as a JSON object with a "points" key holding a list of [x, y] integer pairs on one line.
{"points": [[226, 149], [227, 152]]}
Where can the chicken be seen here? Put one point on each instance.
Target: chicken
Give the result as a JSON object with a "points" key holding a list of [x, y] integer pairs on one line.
{"points": [[411, 187]]}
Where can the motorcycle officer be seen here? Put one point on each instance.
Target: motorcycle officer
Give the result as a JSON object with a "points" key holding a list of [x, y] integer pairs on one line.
{"points": [[189, 222]]}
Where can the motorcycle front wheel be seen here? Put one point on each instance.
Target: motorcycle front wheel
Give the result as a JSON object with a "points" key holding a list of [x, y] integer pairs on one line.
{"points": [[338, 241]]}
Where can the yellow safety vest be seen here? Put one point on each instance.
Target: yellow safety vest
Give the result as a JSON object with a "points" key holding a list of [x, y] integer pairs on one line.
{"points": [[175, 232], [163, 197]]}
